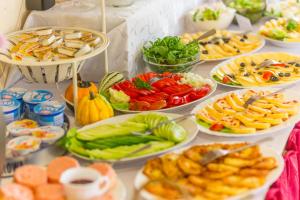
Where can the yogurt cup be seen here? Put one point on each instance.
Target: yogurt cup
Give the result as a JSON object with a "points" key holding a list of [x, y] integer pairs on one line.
{"points": [[11, 109], [48, 134], [23, 145], [21, 127], [50, 113], [17, 94], [33, 98]]}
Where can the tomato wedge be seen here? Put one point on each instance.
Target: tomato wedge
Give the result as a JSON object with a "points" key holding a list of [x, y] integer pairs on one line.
{"points": [[139, 105], [226, 79], [178, 90], [165, 82], [153, 98], [216, 127], [158, 105], [267, 75], [146, 77], [279, 64]]}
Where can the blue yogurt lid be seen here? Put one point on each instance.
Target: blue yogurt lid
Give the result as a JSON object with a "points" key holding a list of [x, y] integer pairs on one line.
{"points": [[16, 93], [37, 96], [9, 104], [49, 108]]}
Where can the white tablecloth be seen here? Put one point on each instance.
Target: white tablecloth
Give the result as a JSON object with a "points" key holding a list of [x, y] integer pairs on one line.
{"points": [[128, 28]]}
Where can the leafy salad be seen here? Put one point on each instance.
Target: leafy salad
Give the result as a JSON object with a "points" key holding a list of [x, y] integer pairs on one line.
{"points": [[115, 141], [207, 14], [171, 50]]}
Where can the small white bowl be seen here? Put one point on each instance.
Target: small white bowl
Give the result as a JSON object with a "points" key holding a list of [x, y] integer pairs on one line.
{"points": [[29, 143], [84, 191], [225, 19]]}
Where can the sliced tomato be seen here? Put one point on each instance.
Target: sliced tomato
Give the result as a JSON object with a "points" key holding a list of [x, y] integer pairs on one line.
{"points": [[177, 100], [279, 64], [158, 105], [197, 94], [146, 76], [267, 75], [154, 97], [226, 79], [216, 127], [139, 105], [165, 82], [178, 90]]}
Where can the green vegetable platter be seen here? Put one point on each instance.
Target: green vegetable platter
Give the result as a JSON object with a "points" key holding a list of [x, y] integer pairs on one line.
{"points": [[113, 139]]}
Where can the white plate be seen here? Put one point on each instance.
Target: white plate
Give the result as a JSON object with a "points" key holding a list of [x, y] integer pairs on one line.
{"points": [[188, 124], [119, 192], [212, 72], [280, 43], [141, 179], [181, 107], [263, 42], [289, 95]]}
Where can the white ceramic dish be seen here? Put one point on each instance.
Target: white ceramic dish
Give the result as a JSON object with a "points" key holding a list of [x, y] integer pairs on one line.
{"points": [[223, 22], [263, 42], [280, 43], [177, 108], [212, 72], [289, 94], [141, 179], [188, 124]]}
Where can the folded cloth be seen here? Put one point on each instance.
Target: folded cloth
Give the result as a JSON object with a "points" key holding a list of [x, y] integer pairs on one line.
{"points": [[287, 187]]}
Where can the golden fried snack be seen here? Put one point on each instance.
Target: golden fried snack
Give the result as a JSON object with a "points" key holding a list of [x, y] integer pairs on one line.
{"points": [[228, 176], [170, 168], [188, 166]]}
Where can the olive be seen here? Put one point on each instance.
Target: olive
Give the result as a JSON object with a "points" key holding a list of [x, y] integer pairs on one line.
{"points": [[242, 64], [246, 74], [260, 73], [281, 74], [287, 74], [297, 65], [203, 43], [205, 52], [238, 51], [245, 37], [274, 78], [242, 40], [217, 43], [253, 63]]}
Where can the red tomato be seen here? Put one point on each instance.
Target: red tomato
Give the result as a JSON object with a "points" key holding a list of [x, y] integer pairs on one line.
{"points": [[176, 100], [165, 82], [146, 77], [139, 105], [158, 105], [178, 90], [267, 75], [216, 127], [279, 64], [226, 79]]}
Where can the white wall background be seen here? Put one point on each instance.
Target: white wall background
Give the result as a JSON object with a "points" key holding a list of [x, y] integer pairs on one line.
{"points": [[12, 14]]}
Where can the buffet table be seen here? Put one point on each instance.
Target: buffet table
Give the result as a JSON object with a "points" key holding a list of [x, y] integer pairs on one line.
{"points": [[127, 171], [128, 28]]}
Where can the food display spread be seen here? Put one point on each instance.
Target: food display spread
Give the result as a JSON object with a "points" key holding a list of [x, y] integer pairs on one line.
{"points": [[283, 29], [36, 119], [52, 44], [152, 91], [254, 71], [229, 114], [225, 44], [174, 175]]}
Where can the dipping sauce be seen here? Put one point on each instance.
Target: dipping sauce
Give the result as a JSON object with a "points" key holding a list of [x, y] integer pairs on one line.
{"points": [[21, 127], [82, 181]]}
